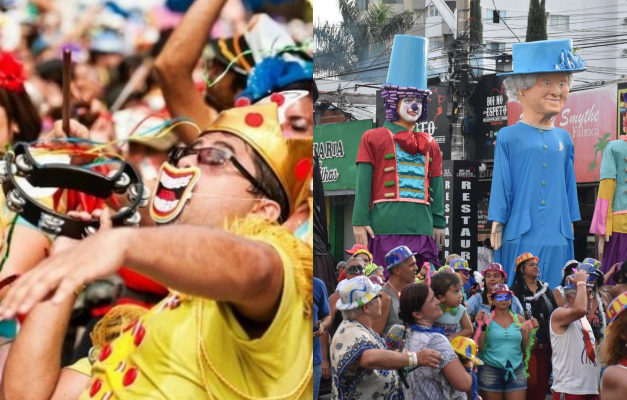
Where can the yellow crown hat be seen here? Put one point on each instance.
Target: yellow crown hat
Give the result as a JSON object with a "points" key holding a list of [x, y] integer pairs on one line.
{"points": [[291, 159]]}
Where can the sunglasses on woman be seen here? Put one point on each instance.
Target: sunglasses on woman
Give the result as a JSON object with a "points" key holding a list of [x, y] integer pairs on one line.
{"points": [[354, 269], [463, 272], [214, 156], [503, 297]]}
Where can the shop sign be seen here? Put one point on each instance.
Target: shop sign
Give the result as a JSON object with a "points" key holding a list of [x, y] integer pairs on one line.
{"points": [[460, 180], [337, 145]]}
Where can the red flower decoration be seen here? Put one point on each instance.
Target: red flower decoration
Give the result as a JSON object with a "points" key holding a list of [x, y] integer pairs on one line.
{"points": [[277, 98], [303, 168], [11, 73], [130, 376], [95, 387], [254, 120], [105, 352], [242, 102]]}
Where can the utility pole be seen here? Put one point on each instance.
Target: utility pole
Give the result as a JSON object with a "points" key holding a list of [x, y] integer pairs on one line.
{"points": [[459, 60]]}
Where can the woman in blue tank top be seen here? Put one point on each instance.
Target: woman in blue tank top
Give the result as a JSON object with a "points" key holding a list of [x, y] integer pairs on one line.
{"points": [[503, 339]]}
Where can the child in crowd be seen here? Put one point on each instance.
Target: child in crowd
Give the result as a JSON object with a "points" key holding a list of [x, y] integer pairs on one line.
{"points": [[447, 287]]}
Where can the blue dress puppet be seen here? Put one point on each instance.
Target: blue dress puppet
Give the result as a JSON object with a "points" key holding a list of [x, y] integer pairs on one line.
{"points": [[533, 200]]}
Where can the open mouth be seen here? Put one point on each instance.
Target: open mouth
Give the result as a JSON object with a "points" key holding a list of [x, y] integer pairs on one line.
{"points": [[174, 189], [412, 113]]}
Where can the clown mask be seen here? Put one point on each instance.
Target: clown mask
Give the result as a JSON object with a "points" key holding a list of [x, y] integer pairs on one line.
{"points": [[173, 191], [410, 109]]}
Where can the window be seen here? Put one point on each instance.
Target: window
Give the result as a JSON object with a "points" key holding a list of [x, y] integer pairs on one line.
{"points": [[559, 21], [433, 11], [436, 42], [492, 16], [497, 47]]}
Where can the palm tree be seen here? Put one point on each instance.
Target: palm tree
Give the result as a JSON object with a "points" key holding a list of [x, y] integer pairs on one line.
{"points": [[359, 41], [598, 148], [592, 167]]}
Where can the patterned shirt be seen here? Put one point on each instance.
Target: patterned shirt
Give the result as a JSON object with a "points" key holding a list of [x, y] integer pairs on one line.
{"points": [[349, 343], [427, 382]]}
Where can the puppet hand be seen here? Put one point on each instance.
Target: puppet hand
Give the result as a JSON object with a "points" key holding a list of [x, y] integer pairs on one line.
{"points": [[496, 236], [95, 257], [438, 236], [361, 234]]}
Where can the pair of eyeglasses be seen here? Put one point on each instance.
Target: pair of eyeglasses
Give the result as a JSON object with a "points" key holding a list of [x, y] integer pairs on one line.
{"points": [[214, 156], [503, 297], [377, 297], [463, 272], [354, 269]]}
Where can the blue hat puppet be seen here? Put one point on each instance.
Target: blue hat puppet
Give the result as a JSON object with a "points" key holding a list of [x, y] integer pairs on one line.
{"points": [[407, 79]]}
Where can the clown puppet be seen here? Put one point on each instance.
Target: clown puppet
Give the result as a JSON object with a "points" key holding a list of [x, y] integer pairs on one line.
{"points": [[533, 201], [609, 222], [399, 195]]}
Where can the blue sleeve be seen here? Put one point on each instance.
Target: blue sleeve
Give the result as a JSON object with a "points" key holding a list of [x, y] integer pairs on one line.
{"points": [[321, 298], [517, 307], [472, 304], [501, 192], [571, 184]]}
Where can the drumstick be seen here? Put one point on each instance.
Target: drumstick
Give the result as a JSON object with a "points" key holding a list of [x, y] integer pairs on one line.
{"points": [[67, 76]]}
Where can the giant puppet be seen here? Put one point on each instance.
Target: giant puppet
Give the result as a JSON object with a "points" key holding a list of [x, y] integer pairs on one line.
{"points": [[533, 201], [610, 214], [398, 197]]}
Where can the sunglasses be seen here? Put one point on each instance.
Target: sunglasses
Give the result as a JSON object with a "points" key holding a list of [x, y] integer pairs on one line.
{"points": [[377, 297], [463, 272], [355, 269], [214, 156], [503, 297]]}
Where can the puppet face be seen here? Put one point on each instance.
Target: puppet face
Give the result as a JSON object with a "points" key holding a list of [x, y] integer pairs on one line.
{"points": [[173, 191], [410, 109], [547, 96]]}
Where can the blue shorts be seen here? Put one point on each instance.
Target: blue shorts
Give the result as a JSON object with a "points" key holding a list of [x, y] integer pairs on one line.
{"points": [[492, 379]]}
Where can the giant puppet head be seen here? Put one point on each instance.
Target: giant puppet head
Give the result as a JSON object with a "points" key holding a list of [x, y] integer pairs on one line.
{"points": [[542, 75], [405, 94]]}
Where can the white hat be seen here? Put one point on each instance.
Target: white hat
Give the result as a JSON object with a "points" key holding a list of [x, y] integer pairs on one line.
{"points": [[356, 292]]}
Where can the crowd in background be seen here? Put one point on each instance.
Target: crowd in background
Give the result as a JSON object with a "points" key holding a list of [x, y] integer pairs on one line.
{"points": [[456, 333]]}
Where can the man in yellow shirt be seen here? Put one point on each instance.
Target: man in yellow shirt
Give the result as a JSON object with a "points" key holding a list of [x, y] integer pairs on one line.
{"points": [[239, 324]]}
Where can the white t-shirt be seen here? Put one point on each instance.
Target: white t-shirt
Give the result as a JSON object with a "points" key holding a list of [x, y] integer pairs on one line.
{"points": [[484, 257], [573, 371]]}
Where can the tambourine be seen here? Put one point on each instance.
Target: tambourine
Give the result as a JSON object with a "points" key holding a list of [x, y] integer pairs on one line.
{"points": [[21, 163]]}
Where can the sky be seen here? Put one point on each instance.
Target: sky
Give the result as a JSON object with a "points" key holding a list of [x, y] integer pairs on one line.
{"points": [[326, 10]]}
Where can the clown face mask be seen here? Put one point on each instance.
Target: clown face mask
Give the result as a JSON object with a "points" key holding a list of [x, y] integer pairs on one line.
{"points": [[410, 109], [173, 191]]}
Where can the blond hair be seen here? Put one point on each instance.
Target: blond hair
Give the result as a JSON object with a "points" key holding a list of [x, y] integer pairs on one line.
{"points": [[613, 348]]}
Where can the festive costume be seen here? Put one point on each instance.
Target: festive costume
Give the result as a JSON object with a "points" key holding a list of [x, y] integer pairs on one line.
{"points": [[188, 347], [610, 212], [534, 190], [399, 172]]}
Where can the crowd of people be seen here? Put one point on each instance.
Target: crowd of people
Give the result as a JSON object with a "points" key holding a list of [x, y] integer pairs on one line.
{"points": [[155, 218], [444, 334]]}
